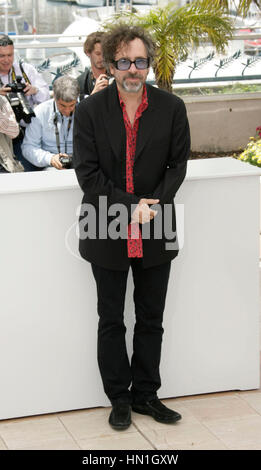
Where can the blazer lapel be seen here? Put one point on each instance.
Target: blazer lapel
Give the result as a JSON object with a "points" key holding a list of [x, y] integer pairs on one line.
{"points": [[114, 122], [146, 124]]}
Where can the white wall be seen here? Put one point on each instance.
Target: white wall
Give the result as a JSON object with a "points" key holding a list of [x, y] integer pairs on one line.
{"points": [[48, 299], [223, 123]]}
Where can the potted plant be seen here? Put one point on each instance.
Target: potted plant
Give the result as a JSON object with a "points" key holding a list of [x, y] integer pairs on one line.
{"points": [[252, 152]]}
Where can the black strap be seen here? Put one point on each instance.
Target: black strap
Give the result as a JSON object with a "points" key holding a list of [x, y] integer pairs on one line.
{"points": [[26, 78], [57, 136]]}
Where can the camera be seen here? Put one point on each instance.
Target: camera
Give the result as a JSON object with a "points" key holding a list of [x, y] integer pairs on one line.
{"points": [[19, 103], [17, 86], [66, 161]]}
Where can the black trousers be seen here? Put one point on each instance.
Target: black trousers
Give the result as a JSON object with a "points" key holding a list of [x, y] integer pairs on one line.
{"points": [[142, 374]]}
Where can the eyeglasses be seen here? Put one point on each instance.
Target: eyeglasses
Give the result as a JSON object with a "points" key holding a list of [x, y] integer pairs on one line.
{"points": [[125, 64]]}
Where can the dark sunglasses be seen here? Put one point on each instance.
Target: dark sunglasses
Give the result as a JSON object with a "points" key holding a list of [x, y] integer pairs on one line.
{"points": [[125, 64]]}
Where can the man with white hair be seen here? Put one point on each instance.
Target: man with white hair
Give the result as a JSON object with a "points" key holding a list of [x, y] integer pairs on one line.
{"points": [[48, 138]]}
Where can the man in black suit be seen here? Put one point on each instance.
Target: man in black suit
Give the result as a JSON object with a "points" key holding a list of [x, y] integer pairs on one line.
{"points": [[131, 145]]}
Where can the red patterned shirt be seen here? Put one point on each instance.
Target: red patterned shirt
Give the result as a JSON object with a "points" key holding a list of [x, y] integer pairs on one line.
{"points": [[134, 242]]}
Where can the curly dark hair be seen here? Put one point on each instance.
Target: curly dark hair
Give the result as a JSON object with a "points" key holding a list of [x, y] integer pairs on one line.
{"points": [[91, 40], [124, 34]]}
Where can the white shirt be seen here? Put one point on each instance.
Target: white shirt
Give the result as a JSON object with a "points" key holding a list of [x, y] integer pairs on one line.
{"points": [[36, 80], [39, 144]]}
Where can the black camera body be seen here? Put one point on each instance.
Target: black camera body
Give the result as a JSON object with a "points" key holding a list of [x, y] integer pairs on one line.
{"points": [[66, 161], [17, 86], [19, 103]]}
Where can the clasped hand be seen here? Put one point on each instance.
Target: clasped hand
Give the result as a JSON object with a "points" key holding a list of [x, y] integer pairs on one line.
{"points": [[143, 213]]}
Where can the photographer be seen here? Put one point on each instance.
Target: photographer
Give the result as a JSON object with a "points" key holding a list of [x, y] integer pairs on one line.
{"points": [[36, 90], [24, 87], [9, 129], [93, 78], [49, 137]]}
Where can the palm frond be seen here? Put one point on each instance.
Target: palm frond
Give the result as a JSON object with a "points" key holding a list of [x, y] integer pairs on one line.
{"points": [[242, 7]]}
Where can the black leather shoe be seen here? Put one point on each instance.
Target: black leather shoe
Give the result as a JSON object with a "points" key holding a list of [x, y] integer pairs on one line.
{"points": [[157, 410], [120, 417]]}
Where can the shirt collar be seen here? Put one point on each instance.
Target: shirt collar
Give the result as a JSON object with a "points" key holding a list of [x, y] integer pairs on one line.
{"points": [[144, 101]]}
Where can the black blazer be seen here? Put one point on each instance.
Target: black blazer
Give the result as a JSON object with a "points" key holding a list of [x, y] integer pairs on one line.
{"points": [[162, 150], [86, 83]]}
